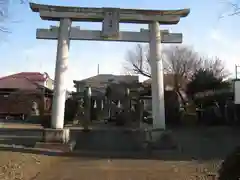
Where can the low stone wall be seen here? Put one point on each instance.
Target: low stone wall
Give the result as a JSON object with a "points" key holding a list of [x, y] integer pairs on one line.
{"points": [[109, 140], [193, 143]]}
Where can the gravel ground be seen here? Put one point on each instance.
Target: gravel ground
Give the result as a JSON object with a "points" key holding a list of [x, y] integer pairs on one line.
{"points": [[75, 169], [23, 166], [26, 166]]}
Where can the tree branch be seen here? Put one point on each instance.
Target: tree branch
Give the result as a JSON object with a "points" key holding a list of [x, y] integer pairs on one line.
{"points": [[234, 6], [180, 61], [4, 13]]}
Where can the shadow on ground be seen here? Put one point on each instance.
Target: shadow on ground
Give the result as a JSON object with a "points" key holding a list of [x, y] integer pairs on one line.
{"points": [[24, 137], [194, 144]]}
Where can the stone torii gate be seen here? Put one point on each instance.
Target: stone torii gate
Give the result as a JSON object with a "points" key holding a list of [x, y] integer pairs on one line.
{"points": [[110, 18]]}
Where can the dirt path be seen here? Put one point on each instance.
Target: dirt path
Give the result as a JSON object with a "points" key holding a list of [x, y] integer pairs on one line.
{"points": [[104, 169], [25, 166]]}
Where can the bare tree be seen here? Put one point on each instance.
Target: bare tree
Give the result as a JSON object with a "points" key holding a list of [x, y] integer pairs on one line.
{"points": [[178, 61], [215, 65], [181, 61], [5, 5], [137, 61], [235, 8], [231, 8]]}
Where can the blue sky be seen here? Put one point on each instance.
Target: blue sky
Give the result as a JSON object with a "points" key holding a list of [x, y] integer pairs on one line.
{"points": [[202, 29]]}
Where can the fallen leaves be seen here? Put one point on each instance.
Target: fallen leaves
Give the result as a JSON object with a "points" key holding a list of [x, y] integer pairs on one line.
{"points": [[22, 166]]}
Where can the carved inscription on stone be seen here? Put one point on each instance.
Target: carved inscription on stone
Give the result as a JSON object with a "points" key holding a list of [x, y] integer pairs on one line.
{"points": [[110, 26]]}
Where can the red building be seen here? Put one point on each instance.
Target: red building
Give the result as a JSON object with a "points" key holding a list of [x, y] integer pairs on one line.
{"points": [[19, 91]]}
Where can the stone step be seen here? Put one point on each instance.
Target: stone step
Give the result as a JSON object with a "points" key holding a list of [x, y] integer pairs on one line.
{"points": [[61, 147]]}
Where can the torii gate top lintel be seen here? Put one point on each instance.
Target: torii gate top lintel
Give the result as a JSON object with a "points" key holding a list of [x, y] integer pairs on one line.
{"points": [[141, 16]]}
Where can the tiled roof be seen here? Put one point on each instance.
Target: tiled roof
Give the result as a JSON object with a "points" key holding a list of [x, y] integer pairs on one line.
{"points": [[102, 79], [99, 82], [17, 83], [32, 76], [23, 80]]}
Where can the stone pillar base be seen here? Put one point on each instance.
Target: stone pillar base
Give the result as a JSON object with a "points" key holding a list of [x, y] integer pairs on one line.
{"points": [[56, 135], [56, 139]]}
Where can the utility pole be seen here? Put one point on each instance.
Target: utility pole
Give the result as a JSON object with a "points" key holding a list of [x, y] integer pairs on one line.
{"points": [[236, 71]]}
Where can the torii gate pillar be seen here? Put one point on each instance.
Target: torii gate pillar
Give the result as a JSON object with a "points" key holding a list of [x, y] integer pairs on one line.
{"points": [[61, 67], [157, 85]]}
